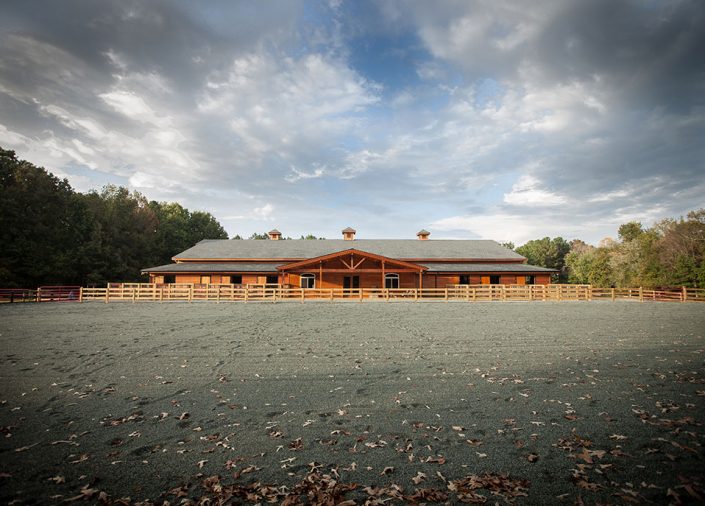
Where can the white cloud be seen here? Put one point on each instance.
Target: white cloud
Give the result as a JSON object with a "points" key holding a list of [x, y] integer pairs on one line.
{"points": [[286, 107], [527, 191], [296, 174], [263, 213]]}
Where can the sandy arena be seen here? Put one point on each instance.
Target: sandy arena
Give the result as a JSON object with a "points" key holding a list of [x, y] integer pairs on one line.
{"points": [[430, 402]]}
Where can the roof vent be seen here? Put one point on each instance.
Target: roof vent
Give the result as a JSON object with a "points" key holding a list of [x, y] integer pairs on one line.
{"points": [[274, 235], [423, 235], [349, 234]]}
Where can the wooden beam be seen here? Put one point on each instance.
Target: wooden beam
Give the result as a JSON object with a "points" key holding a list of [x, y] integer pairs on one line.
{"points": [[320, 273], [383, 284], [360, 271], [359, 263]]}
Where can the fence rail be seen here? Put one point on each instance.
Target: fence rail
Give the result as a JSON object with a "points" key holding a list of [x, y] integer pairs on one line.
{"points": [[468, 293], [139, 292]]}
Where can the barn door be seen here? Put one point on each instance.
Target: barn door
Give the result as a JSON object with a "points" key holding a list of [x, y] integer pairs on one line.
{"points": [[351, 282]]}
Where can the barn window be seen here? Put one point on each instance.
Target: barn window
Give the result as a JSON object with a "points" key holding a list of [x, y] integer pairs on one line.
{"points": [[529, 280], [169, 278], [494, 280], [464, 279], [272, 279], [391, 280], [308, 281], [236, 279]]}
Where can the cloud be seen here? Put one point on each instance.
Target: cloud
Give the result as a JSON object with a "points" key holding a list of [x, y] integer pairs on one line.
{"points": [[297, 175], [484, 118], [527, 191]]}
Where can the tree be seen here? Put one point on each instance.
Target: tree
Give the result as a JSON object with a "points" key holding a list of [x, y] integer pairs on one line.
{"points": [[546, 252], [630, 231], [258, 237], [508, 245], [123, 235], [682, 249], [179, 229], [42, 224]]}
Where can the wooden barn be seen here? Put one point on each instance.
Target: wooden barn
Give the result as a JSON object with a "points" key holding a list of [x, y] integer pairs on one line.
{"points": [[349, 263]]}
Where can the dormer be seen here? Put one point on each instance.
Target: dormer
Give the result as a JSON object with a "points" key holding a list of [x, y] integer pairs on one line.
{"points": [[423, 235], [274, 235]]}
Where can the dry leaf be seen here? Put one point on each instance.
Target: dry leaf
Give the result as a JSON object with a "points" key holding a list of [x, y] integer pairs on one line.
{"points": [[418, 478]]}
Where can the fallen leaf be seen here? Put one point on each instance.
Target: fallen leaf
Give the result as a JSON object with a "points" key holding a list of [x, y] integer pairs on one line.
{"points": [[419, 477]]}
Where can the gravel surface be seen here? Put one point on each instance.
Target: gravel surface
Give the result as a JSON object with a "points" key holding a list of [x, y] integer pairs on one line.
{"points": [[516, 402]]}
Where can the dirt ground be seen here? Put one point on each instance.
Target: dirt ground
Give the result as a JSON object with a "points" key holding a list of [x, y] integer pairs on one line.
{"points": [[449, 402]]}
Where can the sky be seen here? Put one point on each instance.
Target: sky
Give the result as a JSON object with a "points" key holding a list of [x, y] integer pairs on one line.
{"points": [[504, 120]]}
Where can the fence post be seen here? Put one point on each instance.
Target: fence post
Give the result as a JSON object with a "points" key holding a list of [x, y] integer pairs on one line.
{"points": [[80, 294], [190, 293], [107, 293], [247, 292], [134, 292], [685, 294], [641, 294], [302, 295], [360, 293], [416, 294], [161, 294]]}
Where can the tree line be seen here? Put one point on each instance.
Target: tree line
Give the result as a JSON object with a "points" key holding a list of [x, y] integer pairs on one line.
{"points": [[51, 234], [671, 253]]}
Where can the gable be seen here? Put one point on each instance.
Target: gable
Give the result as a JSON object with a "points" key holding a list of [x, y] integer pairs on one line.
{"points": [[353, 260]]}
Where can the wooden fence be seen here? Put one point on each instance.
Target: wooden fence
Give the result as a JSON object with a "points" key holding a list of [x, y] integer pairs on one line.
{"points": [[468, 293], [138, 292]]}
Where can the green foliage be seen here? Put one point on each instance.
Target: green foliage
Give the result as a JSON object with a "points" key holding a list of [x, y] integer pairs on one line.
{"points": [[42, 221], [258, 237], [179, 229], [54, 235], [546, 252], [311, 237], [630, 231], [508, 245]]}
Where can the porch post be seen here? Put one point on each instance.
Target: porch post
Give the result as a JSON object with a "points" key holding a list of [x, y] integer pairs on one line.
{"points": [[320, 273], [383, 286]]}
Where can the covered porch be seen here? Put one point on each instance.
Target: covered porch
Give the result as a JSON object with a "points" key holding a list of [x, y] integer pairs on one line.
{"points": [[352, 269]]}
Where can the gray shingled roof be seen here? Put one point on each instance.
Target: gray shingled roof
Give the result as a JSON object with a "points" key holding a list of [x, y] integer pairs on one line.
{"points": [[508, 267], [215, 267], [393, 248]]}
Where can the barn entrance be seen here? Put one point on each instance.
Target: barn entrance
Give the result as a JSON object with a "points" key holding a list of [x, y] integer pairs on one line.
{"points": [[350, 282]]}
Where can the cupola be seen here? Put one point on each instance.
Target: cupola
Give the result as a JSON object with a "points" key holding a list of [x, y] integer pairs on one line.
{"points": [[349, 234]]}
